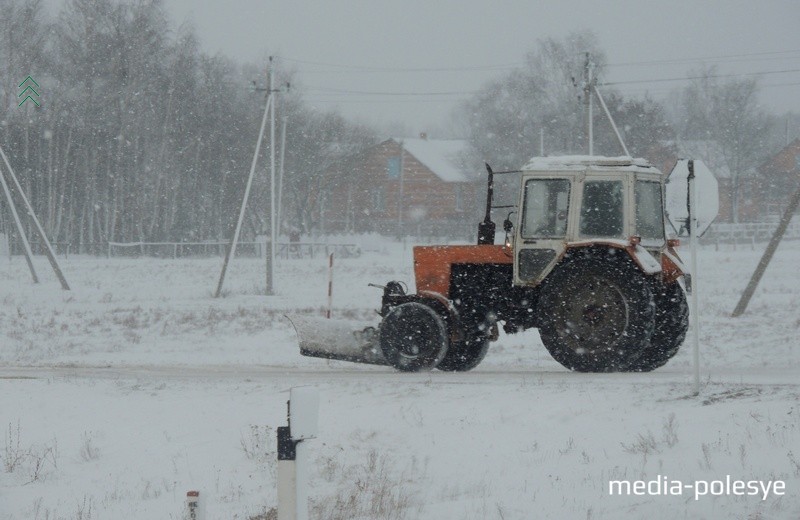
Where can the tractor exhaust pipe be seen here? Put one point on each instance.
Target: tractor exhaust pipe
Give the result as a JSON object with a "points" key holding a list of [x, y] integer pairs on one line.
{"points": [[486, 229]]}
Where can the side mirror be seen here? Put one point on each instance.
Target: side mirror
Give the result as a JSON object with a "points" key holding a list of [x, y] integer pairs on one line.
{"points": [[507, 224]]}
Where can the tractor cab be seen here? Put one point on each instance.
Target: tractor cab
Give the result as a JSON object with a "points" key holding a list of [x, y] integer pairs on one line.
{"points": [[577, 201]]}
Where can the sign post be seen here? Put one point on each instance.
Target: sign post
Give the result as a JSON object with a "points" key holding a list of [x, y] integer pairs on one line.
{"points": [[688, 217], [692, 222]]}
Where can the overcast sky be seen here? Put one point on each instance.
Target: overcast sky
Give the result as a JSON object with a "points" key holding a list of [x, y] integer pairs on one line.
{"points": [[365, 46]]}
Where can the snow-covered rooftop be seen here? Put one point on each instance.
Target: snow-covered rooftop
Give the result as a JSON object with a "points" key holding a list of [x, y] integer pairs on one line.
{"points": [[440, 156]]}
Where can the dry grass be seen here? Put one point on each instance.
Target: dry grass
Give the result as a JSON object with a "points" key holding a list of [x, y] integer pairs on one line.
{"points": [[34, 462], [366, 491]]}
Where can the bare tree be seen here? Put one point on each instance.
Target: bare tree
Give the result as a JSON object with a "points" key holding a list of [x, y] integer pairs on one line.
{"points": [[727, 112], [506, 119]]}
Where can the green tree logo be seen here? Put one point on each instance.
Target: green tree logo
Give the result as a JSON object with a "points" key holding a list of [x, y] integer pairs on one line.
{"points": [[28, 83]]}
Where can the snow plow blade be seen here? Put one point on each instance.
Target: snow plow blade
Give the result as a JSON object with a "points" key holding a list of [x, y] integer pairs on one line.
{"points": [[335, 339]]}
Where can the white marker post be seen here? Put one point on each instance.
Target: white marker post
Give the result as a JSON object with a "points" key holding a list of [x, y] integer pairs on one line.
{"points": [[293, 465], [194, 509]]}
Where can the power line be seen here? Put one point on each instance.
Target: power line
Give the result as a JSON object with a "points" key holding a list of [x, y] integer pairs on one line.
{"points": [[382, 101], [666, 90], [688, 78], [687, 60], [472, 92], [509, 66], [364, 68], [376, 93]]}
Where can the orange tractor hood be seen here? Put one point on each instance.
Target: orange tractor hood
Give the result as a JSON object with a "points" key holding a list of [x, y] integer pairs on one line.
{"points": [[432, 264]]}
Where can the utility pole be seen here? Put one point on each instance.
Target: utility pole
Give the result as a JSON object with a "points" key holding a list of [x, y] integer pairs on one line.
{"points": [[589, 90], [20, 229], [269, 109], [794, 203], [611, 120], [401, 194], [588, 83], [272, 219], [273, 207], [48, 249], [231, 252], [541, 142], [280, 171]]}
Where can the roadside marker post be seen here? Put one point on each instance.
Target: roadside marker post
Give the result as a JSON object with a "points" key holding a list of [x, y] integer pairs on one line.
{"points": [[293, 459], [194, 509]]}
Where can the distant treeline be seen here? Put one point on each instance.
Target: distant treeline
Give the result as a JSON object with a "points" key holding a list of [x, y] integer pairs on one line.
{"points": [[142, 136]]}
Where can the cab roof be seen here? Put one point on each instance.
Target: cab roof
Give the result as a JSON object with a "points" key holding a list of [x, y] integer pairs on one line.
{"points": [[589, 162]]}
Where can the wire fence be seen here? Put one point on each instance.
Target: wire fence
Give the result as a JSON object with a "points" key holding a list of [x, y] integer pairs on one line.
{"points": [[741, 234], [284, 250], [748, 233], [205, 249]]}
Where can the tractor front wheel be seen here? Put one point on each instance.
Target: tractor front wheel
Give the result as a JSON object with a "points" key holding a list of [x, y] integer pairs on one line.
{"points": [[465, 355], [598, 315], [413, 337]]}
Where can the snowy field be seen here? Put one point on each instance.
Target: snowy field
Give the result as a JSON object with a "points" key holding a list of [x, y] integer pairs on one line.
{"points": [[118, 397]]}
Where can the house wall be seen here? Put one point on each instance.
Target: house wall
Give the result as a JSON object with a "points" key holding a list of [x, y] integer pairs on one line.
{"points": [[778, 179], [369, 199]]}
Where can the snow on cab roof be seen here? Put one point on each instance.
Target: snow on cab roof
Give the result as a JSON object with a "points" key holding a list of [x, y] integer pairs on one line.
{"points": [[582, 162]]}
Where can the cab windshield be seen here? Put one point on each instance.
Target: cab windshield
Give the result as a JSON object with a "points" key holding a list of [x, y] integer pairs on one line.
{"points": [[601, 209]]}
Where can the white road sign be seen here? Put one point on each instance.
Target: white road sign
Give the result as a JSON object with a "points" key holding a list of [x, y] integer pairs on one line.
{"points": [[677, 203]]}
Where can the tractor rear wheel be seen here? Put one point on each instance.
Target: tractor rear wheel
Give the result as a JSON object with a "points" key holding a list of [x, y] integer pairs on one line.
{"points": [[672, 322], [598, 315], [465, 355], [413, 337]]}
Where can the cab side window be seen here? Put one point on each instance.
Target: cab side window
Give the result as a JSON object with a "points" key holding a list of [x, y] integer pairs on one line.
{"points": [[649, 212], [545, 208]]}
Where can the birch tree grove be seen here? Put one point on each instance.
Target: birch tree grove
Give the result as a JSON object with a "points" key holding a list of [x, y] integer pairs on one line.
{"points": [[141, 136]]}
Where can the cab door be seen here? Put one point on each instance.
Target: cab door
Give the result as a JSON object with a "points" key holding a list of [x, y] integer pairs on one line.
{"points": [[540, 236]]}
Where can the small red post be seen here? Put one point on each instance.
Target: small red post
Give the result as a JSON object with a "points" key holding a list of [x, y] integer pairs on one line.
{"points": [[330, 286]]}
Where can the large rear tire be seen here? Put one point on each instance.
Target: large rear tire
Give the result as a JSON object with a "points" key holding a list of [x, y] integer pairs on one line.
{"points": [[671, 324], [465, 355], [413, 337], [598, 314]]}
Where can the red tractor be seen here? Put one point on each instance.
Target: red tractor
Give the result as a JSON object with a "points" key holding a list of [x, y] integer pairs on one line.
{"points": [[586, 261]]}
